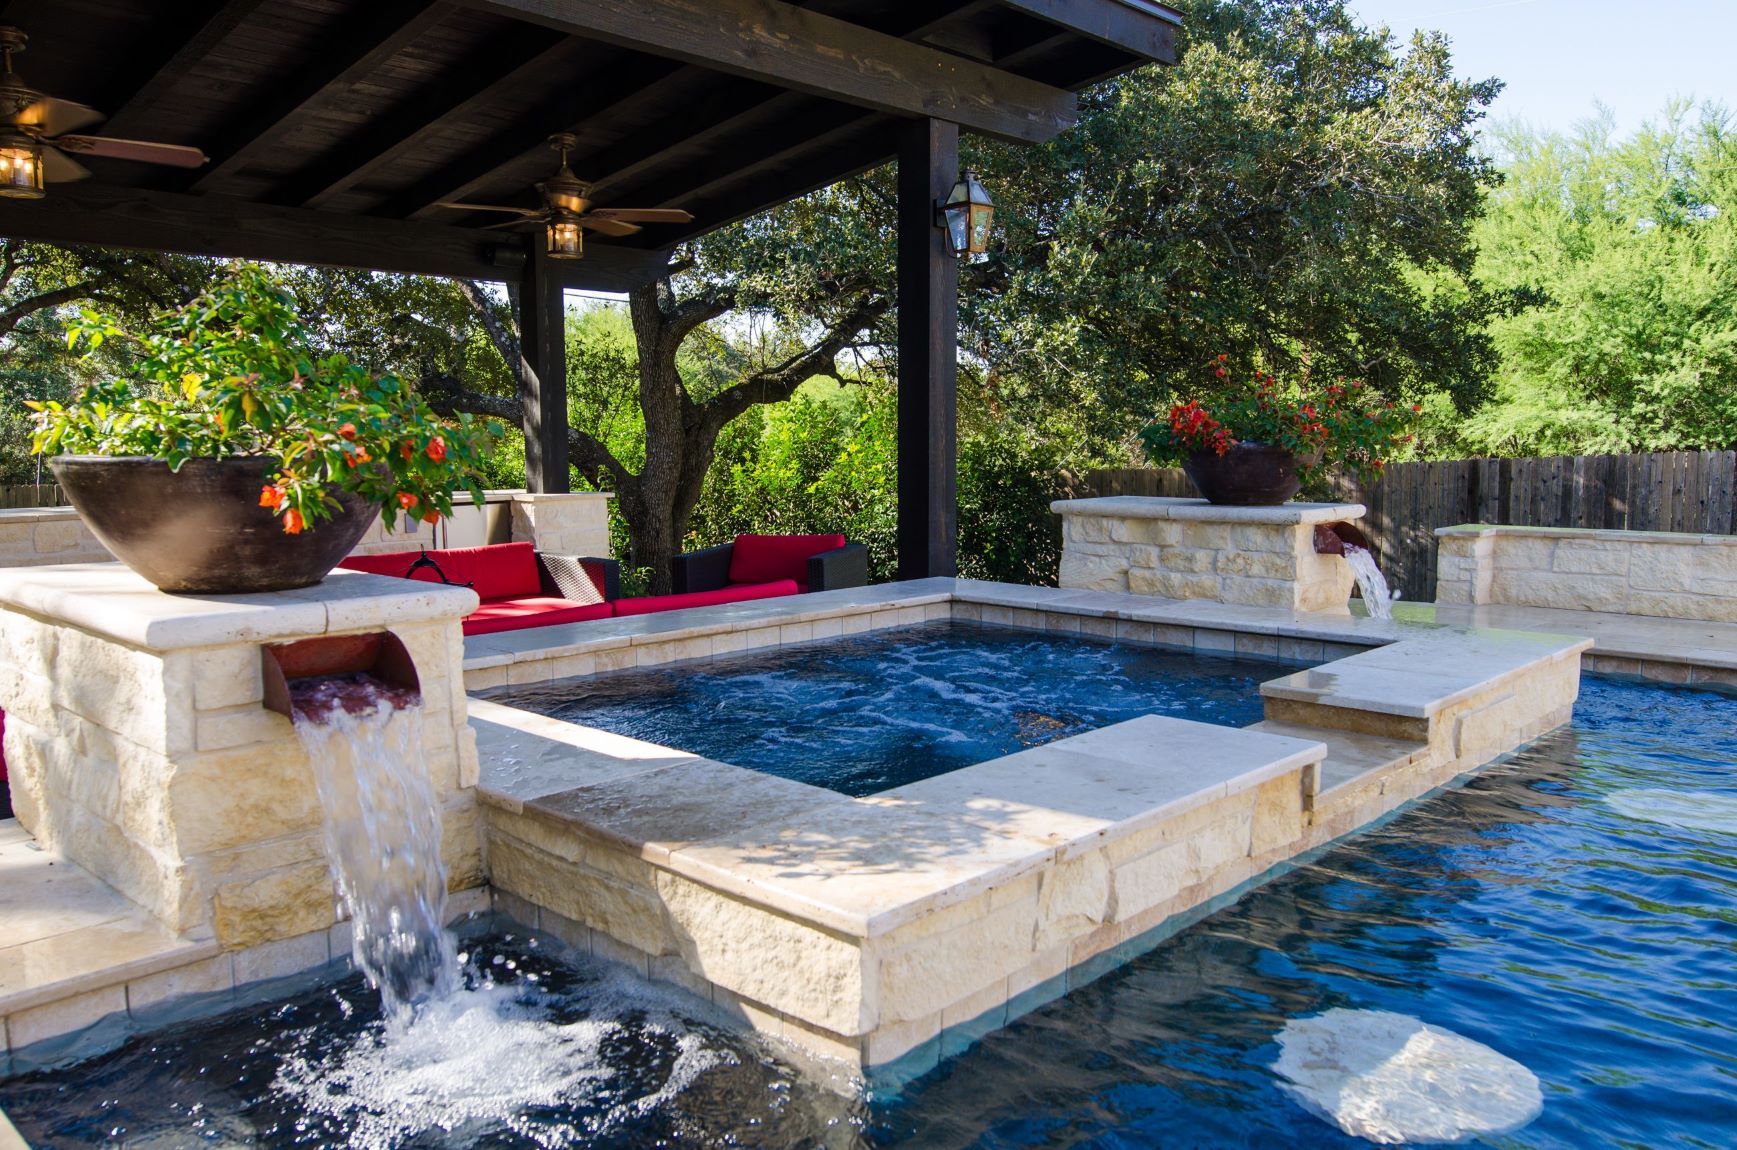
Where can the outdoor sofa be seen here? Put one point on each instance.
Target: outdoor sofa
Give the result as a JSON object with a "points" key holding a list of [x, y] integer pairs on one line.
{"points": [[522, 587]]}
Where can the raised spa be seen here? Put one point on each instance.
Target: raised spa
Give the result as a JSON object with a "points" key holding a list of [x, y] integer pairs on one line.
{"points": [[876, 711]]}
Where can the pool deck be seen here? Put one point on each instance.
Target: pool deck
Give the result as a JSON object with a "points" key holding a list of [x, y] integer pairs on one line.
{"points": [[893, 930]]}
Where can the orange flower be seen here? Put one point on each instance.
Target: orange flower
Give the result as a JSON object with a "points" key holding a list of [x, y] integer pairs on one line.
{"points": [[360, 457], [407, 449], [1224, 359], [292, 522], [437, 449], [271, 496], [348, 431], [407, 500], [431, 516]]}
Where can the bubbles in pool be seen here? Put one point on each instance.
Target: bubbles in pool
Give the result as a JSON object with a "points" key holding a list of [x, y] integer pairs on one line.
{"points": [[493, 1057], [1392, 1078], [1690, 810]]}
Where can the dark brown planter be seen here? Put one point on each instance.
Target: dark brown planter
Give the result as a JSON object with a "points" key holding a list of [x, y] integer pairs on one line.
{"points": [[1248, 475], [201, 530]]}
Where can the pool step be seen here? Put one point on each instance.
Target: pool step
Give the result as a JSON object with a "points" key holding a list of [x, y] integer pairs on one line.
{"points": [[1356, 767]]}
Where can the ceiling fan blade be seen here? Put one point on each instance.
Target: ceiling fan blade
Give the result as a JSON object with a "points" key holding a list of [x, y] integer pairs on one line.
{"points": [[59, 168], [607, 226], [644, 215], [139, 151], [52, 117], [457, 207]]}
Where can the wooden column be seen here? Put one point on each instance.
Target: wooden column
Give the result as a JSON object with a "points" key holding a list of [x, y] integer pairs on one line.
{"points": [[928, 354], [543, 387]]}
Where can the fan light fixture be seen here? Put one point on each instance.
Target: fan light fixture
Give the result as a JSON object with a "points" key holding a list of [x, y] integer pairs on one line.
{"points": [[20, 168], [566, 239], [966, 215]]}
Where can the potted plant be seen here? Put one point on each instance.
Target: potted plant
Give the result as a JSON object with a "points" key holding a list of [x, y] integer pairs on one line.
{"points": [[233, 459], [1257, 444]]}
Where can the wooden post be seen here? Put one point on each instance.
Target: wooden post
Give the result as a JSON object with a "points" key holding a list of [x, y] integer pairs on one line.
{"points": [[928, 354], [543, 387]]}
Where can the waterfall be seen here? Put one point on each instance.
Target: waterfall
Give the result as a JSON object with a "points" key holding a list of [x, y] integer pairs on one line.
{"points": [[1370, 582], [382, 831]]}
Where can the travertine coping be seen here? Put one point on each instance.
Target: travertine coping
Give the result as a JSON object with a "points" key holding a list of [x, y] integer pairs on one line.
{"points": [[1200, 511], [892, 930], [111, 602]]}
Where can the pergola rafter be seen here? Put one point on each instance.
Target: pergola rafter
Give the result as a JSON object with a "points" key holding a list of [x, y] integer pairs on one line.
{"points": [[336, 127]]}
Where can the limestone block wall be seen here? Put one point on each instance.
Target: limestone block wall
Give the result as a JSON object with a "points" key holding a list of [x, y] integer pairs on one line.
{"points": [[1659, 573], [34, 536], [570, 523], [139, 748], [1190, 549]]}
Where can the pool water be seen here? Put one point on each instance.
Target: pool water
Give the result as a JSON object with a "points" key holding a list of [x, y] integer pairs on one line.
{"points": [[1574, 908], [876, 711]]}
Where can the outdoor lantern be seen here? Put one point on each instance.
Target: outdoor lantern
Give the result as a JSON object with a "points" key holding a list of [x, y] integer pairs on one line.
{"points": [[966, 214], [566, 238], [20, 168]]}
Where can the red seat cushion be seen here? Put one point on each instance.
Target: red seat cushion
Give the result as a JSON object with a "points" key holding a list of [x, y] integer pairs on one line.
{"points": [[734, 593], [531, 611], [497, 571], [768, 558]]}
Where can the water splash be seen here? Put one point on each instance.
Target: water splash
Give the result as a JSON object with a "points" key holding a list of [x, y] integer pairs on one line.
{"points": [[382, 831], [1371, 583]]}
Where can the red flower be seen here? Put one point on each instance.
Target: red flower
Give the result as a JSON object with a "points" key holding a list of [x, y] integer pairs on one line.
{"points": [[407, 449], [1220, 372], [1416, 407], [437, 449], [1224, 359], [292, 522], [407, 500], [431, 516], [271, 496], [348, 431]]}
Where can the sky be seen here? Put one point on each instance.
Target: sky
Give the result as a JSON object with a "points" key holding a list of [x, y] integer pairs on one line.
{"points": [[1561, 57]]}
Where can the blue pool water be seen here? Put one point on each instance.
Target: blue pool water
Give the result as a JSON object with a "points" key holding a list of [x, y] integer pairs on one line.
{"points": [[1542, 910], [876, 711]]}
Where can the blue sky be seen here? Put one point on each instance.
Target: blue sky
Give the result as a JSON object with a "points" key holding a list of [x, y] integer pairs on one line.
{"points": [[1560, 56]]}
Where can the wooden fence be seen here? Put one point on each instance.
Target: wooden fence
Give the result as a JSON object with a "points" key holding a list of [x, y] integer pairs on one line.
{"points": [[40, 495], [1669, 491]]}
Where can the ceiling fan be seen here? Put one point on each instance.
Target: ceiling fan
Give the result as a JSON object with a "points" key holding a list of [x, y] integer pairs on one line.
{"points": [[36, 133], [567, 212]]}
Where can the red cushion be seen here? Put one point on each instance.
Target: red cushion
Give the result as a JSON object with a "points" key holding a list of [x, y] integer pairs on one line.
{"points": [[498, 571], [767, 558], [531, 611], [734, 593]]}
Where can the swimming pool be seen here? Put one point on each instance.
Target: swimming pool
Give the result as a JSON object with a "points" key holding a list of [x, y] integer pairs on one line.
{"points": [[1544, 910], [873, 712]]}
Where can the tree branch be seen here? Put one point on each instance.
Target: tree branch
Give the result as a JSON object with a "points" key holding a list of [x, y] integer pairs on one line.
{"points": [[779, 383], [447, 396], [29, 306]]}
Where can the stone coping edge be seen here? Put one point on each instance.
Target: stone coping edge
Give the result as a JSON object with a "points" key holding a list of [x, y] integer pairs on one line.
{"points": [[1591, 534], [108, 600], [1200, 511]]}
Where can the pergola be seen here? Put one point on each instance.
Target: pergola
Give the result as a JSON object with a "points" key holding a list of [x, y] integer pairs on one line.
{"points": [[335, 128]]}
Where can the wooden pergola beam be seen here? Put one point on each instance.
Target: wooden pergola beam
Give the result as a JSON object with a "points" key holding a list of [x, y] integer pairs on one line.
{"points": [[781, 44], [519, 53], [1140, 27], [185, 47], [107, 216], [366, 39]]}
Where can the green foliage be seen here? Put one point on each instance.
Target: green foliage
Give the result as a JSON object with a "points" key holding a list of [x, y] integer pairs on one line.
{"points": [[1629, 250], [1008, 477], [232, 374]]}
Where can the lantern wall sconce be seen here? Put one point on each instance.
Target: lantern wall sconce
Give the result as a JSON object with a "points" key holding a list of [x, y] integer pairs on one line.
{"points": [[20, 167], [966, 215]]}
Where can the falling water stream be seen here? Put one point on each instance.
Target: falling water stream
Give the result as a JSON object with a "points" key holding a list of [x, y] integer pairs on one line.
{"points": [[1370, 582], [382, 829]]}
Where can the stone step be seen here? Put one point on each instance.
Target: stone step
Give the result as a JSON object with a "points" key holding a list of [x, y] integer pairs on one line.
{"points": [[1354, 764]]}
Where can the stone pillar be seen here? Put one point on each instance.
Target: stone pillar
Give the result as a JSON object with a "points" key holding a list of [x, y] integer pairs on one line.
{"points": [[569, 523], [139, 747], [1465, 565], [1192, 549]]}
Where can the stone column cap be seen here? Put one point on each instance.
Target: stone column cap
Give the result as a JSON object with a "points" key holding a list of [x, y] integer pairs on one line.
{"points": [[1200, 511], [556, 496], [1594, 534], [113, 602]]}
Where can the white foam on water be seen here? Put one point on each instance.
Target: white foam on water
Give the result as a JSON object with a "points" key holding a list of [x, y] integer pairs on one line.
{"points": [[1690, 810], [1391, 1078], [485, 1058]]}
